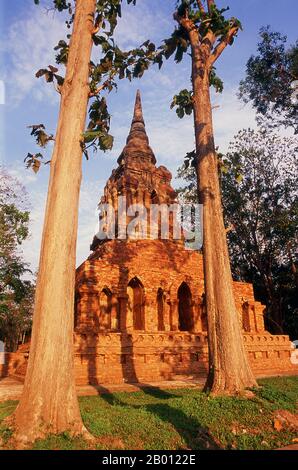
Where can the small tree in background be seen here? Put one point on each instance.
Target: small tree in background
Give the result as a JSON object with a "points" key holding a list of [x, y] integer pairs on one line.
{"points": [[259, 187], [269, 76], [263, 211], [16, 293]]}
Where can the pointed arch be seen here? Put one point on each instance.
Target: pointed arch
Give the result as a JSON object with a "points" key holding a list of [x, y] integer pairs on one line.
{"points": [[204, 314], [105, 307], [185, 313], [160, 300], [136, 303]]}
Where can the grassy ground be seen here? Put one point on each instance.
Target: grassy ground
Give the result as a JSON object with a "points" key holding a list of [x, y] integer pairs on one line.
{"points": [[180, 419]]}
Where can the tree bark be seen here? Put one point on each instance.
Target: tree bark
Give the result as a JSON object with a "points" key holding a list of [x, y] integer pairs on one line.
{"points": [[229, 369], [49, 403]]}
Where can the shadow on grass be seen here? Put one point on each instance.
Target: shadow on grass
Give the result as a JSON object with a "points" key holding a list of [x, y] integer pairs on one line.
{"points": [[192, 433]]}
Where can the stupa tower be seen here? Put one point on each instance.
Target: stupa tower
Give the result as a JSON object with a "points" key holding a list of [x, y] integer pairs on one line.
{"points": [[137, 177]]}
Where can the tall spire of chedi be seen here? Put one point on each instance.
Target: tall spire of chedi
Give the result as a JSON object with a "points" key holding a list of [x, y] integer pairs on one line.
{"points": [[137, 142], [137, 177]]}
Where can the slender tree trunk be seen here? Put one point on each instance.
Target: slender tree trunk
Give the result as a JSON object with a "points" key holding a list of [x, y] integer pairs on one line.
{"points": [[229, 369], [274, 310], [49, 402]]}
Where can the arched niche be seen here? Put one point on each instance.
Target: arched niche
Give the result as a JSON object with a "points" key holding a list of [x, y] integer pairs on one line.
{"points": [[160, 300], [204, 314], [185, 314], [136, 303], [105, 308]]}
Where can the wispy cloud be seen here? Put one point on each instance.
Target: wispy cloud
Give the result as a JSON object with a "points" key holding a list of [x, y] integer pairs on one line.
{"points": [[28, 47], [88, 219], [141, 23]]}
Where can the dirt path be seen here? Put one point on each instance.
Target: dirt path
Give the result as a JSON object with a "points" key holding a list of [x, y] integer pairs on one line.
{"points": [[11, 388]]}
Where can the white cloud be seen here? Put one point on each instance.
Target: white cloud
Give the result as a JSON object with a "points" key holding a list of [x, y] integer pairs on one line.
{"points": [[2, 92], [90, 193], [141, 23], [31, 246], [29, 47], [24, 176], [231, 116], [36, 186]]}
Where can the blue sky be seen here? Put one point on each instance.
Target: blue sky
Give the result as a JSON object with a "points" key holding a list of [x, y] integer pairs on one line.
{"points": [[28, 35]]}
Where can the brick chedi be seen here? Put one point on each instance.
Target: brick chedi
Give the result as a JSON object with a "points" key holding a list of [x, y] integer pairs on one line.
{"points": [[140, 312], [139, 307]]}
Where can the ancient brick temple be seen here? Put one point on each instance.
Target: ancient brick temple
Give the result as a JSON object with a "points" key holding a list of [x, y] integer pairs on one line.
{"points": [[140, 312]]}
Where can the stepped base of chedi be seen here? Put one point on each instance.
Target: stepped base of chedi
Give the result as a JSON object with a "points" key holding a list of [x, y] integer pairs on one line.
{"points": [[140, 313]]}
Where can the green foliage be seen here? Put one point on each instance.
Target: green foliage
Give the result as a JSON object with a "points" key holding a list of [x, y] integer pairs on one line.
{"points": [[114, 65], [188, 192], [97, 134], [38, 131], [178, 43], [50, 74], [15, 292], [263, 209], [59, 5], [259, 188], [215, 81], [179, 419], [63, 49], [34, 161], [269, 75], [183, 103], [212, 20]]}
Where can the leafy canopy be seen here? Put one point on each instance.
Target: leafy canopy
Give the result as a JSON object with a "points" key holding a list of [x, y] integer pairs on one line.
{"points": [[259, 190], [114, 64], [269, 76], [15, 292], [203, 31]]}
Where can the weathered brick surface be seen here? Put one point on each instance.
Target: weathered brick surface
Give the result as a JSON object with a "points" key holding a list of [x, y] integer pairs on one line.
{"points": [[148, 355]]}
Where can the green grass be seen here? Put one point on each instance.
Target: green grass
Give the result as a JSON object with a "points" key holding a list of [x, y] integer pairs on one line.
{"points": [[179, 419]]}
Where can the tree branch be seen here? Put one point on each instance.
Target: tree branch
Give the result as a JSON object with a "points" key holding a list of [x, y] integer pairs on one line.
{"points": [[201, 7], [97, 24], [210, 3], [189, 26], [223, 44], [185, 22], [209, 38], [99, 89], [57, 88]]}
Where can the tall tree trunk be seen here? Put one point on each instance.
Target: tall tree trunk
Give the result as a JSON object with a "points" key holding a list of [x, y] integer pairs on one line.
{"points": [[229, 369], [274, 310], [49, 403]]}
